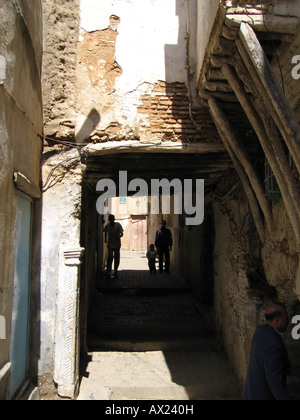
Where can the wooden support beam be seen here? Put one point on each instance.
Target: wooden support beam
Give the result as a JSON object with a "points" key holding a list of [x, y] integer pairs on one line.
{"points": [[259, 128], [255, 59], [227, 134], [265, 131], [117, 147], [217, 86], [222, 96], [218, 61], [264, 23], [213, 41], [241, 153]]}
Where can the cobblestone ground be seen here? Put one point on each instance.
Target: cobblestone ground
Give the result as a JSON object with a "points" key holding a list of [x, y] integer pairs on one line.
{"points": [[148, 340]]}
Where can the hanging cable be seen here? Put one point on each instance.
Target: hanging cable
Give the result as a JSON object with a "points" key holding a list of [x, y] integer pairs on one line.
{"points": [[48, 182]]}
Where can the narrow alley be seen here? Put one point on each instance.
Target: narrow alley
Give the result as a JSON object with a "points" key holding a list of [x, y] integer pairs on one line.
{"points": [[174, 116], [148, 339]]}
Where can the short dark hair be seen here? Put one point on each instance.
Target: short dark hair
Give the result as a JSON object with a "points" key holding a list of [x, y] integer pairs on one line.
{"points": [[278, 313]]}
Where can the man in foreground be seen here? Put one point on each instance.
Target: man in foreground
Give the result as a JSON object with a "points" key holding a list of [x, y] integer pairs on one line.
{"points": [[269, 365]]}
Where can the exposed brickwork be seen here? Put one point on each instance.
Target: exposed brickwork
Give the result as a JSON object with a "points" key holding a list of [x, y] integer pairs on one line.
{"points": [[170, 117]]}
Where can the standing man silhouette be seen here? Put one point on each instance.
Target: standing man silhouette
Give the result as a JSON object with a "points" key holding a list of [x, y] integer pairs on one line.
{"points": [[113, 234], [164, 243]]}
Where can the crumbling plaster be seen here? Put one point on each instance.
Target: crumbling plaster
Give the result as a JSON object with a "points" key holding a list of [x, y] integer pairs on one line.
{"points": [[146, 50], [61, 221], [97, 68], [248, 276]]}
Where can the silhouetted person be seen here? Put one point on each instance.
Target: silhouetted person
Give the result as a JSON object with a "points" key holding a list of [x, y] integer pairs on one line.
{"points": [[269, 365], [164, 243], [151, 256], [113, 234]]}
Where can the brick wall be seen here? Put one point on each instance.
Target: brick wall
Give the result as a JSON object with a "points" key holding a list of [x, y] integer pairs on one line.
{"points": [[170, 116]]}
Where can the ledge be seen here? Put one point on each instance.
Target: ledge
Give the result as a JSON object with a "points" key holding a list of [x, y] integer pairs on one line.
{"points": [[26, 186], [161, 147]]}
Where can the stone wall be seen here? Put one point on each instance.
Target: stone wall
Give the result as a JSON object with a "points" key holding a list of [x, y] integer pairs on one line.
{"points": [[249, 277], [61, 221], [61, 33]]}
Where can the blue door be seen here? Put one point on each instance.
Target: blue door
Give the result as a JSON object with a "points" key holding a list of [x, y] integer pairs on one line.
{"points": [[20, 313]]}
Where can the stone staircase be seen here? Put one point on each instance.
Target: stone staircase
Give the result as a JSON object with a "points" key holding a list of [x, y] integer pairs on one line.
{"points": [[152, 344], [149, 340], [146, 320]]}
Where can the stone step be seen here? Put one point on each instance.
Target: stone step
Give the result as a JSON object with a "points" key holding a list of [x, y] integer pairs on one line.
{"points": [[97, 343], [149, 330], [90, 390], [174, 392], [159, 375]]}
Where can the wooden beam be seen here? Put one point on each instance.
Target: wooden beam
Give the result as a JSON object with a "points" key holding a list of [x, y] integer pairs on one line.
{"points": [[227, 133], [218, 61], [222, 96], [279, 107], [265, 23], [213, 41], [117, 147], [257, 124], [273, 149], [217, 86]]}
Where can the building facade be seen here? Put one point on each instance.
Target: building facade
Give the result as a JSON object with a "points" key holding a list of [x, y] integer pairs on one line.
{"points": [[129, 90], [176, 90]]}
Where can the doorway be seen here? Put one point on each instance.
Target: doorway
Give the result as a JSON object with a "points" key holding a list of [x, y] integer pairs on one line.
{"points": [[138, 233], [20, 313]]}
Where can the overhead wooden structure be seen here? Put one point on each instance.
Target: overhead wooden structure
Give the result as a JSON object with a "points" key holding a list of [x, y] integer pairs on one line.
{"points": [[239, 84]]}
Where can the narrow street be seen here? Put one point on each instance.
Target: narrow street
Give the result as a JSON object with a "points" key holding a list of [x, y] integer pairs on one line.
{"points": [[149, 339]]}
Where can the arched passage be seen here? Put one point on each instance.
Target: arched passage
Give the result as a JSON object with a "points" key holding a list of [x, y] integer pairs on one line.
{"points": [[148, 167]]}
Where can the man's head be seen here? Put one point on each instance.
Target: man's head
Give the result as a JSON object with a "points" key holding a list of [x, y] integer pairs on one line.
{"points": [[111, 219], [151, 247], [277, 317], [163, 223]]}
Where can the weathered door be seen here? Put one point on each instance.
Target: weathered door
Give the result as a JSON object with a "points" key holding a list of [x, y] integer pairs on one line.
{"points": [[138, 240], [20, 313]]}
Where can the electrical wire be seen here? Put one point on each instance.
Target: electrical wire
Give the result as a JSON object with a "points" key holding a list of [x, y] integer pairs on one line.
{"points": [[48, 182]]}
